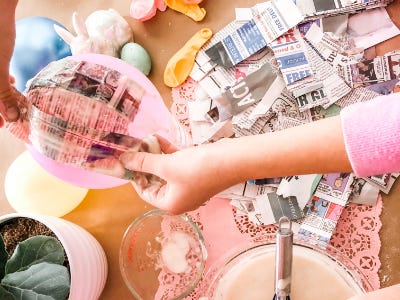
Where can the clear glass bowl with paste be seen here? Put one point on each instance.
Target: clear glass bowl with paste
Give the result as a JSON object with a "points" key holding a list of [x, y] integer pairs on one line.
{"points": [[247, 272], [162, 256]]}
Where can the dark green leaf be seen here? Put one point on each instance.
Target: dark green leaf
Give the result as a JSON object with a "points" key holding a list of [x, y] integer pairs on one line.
{"points": [[34, 250], [5, 295], [3, 258], [42, 281]]}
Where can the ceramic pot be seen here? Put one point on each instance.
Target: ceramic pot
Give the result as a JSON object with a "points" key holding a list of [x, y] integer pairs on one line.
{"points": [[86, 257]]}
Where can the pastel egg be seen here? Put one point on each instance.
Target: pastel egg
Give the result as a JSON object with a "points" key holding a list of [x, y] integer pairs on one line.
{"points": [[137, 56]]}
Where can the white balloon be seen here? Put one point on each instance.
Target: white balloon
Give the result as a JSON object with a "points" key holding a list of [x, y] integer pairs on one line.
{"points": [[29, 188]]}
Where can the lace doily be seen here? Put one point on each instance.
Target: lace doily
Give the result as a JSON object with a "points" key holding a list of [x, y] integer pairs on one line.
{"points": [[356, 235]]}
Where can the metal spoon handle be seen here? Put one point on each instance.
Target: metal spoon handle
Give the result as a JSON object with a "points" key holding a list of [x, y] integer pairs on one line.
{"points": [[283, 259]]}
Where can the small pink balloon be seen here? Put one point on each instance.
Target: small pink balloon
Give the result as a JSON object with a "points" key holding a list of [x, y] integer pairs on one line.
{"points": [[161, 6], [143, 10]]}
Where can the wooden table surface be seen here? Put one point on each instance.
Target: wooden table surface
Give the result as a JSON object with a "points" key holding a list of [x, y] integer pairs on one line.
{"points": [[107, 213]]}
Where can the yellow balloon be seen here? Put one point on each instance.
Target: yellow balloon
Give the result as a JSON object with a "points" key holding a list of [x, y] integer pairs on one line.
{"points": [[29, 188]]}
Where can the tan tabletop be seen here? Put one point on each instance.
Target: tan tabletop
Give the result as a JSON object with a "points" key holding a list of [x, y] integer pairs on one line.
{"points": [[107, 213]]}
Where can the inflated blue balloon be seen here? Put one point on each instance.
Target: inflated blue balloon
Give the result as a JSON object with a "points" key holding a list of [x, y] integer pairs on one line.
{"points": [[36, 45]]}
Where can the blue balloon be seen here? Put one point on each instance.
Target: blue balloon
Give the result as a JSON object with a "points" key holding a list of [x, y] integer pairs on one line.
{"points": [[36, 45]]}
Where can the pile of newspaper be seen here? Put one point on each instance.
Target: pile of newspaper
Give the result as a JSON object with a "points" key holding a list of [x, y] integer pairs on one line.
{"points": [[285, 63], [322, 8]]}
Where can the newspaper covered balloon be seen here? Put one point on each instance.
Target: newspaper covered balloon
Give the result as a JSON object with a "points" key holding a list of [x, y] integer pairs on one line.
{"points": [[84, 111]]}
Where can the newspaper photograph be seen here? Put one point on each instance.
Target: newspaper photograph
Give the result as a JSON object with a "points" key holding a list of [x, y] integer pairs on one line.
{"points": [[335, 187], [386, 87], [383, 182], [372, 71], [320, 221], [363, 192]]}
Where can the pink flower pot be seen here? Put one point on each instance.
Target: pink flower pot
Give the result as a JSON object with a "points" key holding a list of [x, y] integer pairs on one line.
{"points": [[87, 260]]}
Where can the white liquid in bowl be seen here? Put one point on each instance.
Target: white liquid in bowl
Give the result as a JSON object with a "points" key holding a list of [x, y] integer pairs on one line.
{"points": [[314, 276]]}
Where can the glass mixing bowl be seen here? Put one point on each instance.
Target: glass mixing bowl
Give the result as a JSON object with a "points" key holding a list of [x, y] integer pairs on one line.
{"points": [[162, 256], [247, 272]]}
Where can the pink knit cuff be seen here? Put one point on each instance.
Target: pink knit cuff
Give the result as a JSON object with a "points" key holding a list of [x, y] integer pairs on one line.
{"points": [[372, 135]]}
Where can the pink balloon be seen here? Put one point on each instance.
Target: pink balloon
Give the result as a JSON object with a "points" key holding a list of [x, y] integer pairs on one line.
{"points": [[153, 117]]}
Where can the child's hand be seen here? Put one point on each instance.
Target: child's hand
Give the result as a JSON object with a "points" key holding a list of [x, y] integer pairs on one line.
{"points": [[192, 175], [8, 95], [8, 103]]}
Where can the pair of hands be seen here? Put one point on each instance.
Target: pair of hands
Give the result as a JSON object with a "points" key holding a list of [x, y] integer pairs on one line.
{"points": [[179, 195]]}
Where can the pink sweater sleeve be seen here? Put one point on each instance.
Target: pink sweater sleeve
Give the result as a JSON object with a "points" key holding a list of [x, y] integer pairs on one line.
{"points": [[372, 135]]}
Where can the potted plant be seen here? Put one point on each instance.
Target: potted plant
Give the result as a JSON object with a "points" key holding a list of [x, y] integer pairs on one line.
{"points": [[35, 269], [36, 248]]}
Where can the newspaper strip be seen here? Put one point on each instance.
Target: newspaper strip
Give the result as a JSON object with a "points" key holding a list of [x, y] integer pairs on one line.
{"points": [[283, 113], [371, 71], [203, 64], [276, 19], [386, 87], [320, 221], [300, 186], [312, 9], [329, 47], [219, 79], [249, 90], [290, 55], [333, 88], [335, 187], [262, 108], [371, 27], [244, 192], [363, 192], [357, 95], [324, 209], [271, 207], [242, 126], [383, 182], [268, 181], [288, 112]]}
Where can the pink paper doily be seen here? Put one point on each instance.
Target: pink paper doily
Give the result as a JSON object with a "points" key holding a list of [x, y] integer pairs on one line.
{"points": [[356, 235]]}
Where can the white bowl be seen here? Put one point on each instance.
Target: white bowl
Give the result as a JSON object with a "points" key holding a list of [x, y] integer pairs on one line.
{"points": [[251, 269]]}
